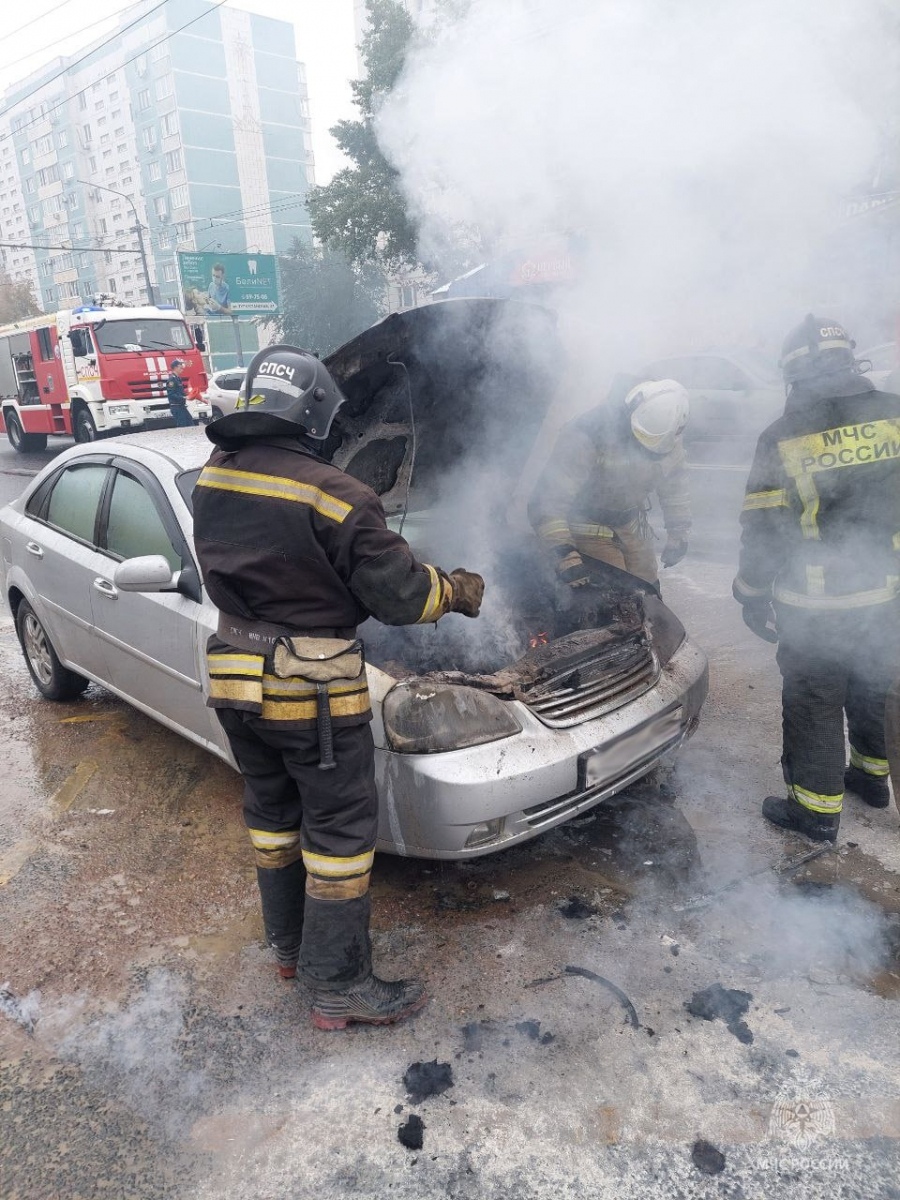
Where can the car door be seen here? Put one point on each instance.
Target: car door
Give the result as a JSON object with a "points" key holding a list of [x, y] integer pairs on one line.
{"points": [[150, 638], [56, 549]]}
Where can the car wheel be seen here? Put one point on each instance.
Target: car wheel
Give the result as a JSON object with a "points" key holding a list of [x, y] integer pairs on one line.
{"points": [[85, 430], [216, 413], [22, 442], [51, 678]]}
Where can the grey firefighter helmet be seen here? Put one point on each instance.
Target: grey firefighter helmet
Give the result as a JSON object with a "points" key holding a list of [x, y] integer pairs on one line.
{"points": [[286, 392], [816, 348]]}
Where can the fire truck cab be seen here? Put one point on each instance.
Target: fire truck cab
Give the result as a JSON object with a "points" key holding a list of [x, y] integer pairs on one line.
{"points": [[93, 370]]}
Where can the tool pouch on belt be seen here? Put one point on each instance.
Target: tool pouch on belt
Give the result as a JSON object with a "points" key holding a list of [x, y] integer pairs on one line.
{"points": [[320, 661]]}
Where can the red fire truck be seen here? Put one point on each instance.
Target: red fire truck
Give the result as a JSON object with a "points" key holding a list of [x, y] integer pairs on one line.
{"points": [[92, 370]]}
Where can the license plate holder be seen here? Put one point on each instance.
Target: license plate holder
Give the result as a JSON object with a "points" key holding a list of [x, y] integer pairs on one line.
{"points": [[605, 763]]}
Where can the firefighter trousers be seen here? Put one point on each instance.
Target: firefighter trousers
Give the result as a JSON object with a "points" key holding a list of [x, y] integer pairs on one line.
{"points": [[313, 835], [627, 547], [832, 664]]}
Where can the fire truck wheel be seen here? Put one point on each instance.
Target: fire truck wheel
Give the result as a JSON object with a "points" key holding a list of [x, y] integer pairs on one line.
{"points": [[22, 442], [51, 678], [85, 430]]}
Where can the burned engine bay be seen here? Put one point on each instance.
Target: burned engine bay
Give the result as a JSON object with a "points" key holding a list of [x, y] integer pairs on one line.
{"points": [[445, 404]]}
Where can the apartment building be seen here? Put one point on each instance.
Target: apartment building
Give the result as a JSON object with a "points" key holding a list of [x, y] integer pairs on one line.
{"points": [[191, 120]]}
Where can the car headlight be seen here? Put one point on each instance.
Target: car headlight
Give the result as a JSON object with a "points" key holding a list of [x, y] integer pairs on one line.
{"points": [[425, 718], [116, 410], [666, 631]]}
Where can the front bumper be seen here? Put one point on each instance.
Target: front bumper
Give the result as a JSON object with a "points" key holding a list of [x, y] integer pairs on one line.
{"points": [[121, 415], [431, 803]]}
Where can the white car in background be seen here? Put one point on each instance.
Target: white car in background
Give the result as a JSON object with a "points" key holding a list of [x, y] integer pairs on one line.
{"points": [[884, 371], [223, 390], [734, 394]]}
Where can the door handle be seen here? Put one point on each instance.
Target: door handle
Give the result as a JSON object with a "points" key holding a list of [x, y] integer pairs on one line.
{"points": [[107, 588], [34, 548]]}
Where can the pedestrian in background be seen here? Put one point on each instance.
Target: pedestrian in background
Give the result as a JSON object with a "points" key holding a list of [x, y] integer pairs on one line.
{"points": [[175, 393]]}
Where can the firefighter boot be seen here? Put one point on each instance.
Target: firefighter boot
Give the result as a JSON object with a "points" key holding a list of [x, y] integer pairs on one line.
{"points": [[873, 789], [282, 891], [787, 813], [336, 961]]}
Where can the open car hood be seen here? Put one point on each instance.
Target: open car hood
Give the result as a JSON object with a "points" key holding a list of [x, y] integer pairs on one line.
{"points": [[476, 381]]}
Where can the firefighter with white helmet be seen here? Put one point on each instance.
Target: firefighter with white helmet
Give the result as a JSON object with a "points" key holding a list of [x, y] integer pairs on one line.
{"points": [[592, 497]]}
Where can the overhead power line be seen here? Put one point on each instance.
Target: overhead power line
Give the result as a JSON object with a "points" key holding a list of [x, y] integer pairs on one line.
{"points": [[59, 41], [34, 20], [89, 53], [82, 91]]}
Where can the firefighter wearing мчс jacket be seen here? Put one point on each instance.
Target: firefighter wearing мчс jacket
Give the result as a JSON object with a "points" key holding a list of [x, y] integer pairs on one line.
{"points": [[590, 501], [291, 546], [819, 554]]}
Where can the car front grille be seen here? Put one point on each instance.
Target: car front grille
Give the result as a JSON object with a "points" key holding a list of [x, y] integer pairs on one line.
{"points": [[147, 389], [596, 686]]}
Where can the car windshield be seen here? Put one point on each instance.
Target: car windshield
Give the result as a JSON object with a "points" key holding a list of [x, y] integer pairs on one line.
{"points": [[118, 337]]}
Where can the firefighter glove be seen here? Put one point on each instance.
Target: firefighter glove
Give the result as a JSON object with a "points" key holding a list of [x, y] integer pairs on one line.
{"points": [[571, 570], [468, 591], [674, 551], [759, 617]]}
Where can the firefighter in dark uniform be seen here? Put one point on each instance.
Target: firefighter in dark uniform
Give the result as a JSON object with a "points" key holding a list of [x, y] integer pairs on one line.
{"points": [[292, 548], [175, 393], [592, 497], [819, 573]]}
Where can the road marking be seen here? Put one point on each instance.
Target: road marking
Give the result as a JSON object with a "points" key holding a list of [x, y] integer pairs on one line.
{"points": [[66, 795], [90, 717]]}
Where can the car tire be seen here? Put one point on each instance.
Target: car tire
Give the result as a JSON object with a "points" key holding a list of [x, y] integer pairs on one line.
{"points": [[51, 678], [22, 442], [84, 429], [216, 413]]}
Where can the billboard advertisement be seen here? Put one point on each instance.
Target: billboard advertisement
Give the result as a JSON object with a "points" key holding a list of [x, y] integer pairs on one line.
{"points": [[219, 286]]}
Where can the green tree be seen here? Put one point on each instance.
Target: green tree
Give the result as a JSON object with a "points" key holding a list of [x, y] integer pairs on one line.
{"points": [[16, 300], [362, 210], [326, 299]]}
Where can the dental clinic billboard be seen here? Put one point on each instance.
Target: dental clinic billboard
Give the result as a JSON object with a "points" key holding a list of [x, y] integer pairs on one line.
{"points": [[217, 286]]}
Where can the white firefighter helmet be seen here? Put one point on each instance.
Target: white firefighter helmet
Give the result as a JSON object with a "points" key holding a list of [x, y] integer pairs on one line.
{"points": [[658, 410]]}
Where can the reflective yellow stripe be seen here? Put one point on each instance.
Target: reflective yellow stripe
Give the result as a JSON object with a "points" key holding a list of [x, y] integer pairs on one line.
{"points": [[275, 487], [555, 532], [851, 600], [871, 766], [265, 839], [273, 686], [439, 597], [354, 705], [817, 802], [592, 531], [815, 581], [774, 499], [334, 867], [246, 690], [235, 664], [750, 593]]}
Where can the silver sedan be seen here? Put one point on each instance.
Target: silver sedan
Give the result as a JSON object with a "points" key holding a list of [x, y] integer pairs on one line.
{"points": [[99, 572]]}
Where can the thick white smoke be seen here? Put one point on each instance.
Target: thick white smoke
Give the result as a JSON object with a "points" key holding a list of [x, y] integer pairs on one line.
{"points": [[702, 149]]}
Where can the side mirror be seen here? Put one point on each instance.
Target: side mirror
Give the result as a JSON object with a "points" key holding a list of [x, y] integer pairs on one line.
{"points": [[148, 573]]}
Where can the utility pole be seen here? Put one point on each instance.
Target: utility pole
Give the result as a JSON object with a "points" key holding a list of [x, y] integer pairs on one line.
{"points": [[138, 229]]}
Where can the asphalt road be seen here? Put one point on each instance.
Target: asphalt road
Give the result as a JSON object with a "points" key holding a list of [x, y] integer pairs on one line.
{"points": [[147, 1048]]}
